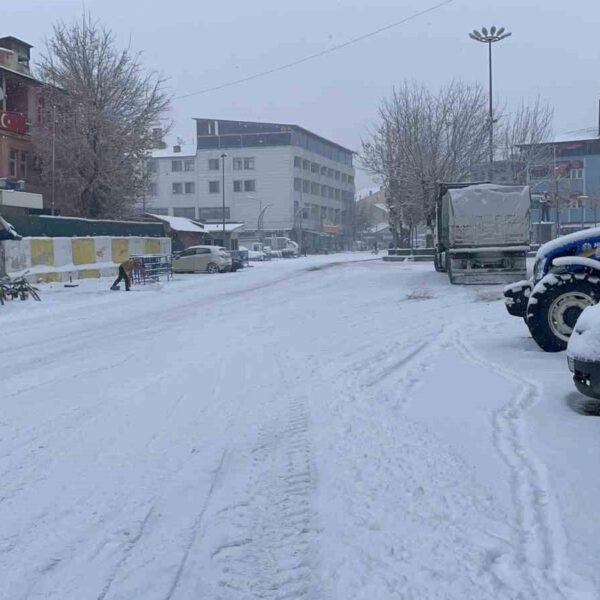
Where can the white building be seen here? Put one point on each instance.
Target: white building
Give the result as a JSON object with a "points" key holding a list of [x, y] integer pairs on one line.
{"points": [[301, 183]]}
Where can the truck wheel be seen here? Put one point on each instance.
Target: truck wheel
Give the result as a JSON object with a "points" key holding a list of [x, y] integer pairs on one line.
{"points": [[448, 270], [555, 305], [437, 263]]}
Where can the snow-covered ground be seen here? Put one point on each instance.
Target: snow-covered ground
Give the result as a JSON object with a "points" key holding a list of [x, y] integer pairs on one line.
{"points": [[324, 428]]}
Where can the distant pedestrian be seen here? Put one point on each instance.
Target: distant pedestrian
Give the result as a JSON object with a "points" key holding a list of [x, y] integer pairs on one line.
{"points": [[125, 270], [545, 206]]}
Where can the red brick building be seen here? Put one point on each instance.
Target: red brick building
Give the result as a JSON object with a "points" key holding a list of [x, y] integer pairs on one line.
{"points": [[19, 113]]}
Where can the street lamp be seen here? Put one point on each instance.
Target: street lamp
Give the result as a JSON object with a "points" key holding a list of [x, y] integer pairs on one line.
{"points": [[489, 37], [223, 157], [260, 222]]}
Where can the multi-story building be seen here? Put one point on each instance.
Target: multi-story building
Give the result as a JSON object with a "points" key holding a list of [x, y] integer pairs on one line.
{"points": [[565, 175], [19, 111], [279, 179]]}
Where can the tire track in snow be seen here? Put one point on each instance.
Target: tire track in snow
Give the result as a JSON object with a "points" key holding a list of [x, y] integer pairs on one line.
{"points": [[126, 553], [196, 527], [541, 536], [268, 555]]}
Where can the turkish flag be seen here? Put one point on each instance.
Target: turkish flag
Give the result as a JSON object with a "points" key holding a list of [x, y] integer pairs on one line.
{"points": [[13, 121]]}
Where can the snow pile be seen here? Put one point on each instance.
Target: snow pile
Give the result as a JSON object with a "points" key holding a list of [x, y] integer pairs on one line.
{"points": [[179, 223]]}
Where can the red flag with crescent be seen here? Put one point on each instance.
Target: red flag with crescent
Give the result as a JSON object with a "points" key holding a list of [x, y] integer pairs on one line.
{"points": [[13, 121]]}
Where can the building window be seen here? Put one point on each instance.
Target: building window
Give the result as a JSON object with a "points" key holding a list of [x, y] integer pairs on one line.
{"points": [[188, 165], [189, 187], [213, 164], [152, 166], [351, 179], [306, 186], [324, 191], [576, 173], [314, 168], [152, 189], [330, 192], [237, 185], [248, 164], [175, 165], [12, 162], [323, 170], [213, 213], [344, 178], [337, 194], [314, 188], [305, 212], [214, 187], [177, 188], [238, 164], [249, 185], [297, 184], [23, 165], [297, 162], [189, 212], [330, 173], [306, 165], [337, 175]]}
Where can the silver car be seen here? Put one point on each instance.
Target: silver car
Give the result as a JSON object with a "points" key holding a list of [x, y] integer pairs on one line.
{"points": [[209, 259]]}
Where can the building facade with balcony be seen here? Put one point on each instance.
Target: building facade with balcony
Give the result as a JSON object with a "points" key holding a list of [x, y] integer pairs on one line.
{"points": [[19, 112], [279, 179], [565, 182]]}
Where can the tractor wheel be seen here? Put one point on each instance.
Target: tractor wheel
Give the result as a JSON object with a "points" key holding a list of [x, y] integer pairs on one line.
{"points": [[555, 305]]}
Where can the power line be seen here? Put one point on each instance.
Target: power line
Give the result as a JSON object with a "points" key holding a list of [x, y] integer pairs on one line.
{"points": [[317, 54]]}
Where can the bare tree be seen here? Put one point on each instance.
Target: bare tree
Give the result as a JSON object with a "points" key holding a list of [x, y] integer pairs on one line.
{"points": [[99, 110], [522, 137], [422, 138]]}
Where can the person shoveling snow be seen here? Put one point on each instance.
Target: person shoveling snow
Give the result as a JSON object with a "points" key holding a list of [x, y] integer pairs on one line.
{"points": [[7, 231], [125, 270]]}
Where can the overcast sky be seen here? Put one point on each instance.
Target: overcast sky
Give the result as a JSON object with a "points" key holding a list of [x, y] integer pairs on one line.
{"points": [[554, 51]]}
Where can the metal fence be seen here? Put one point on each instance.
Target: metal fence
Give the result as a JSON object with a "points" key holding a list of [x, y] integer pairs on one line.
{"points": [[154, 268]]}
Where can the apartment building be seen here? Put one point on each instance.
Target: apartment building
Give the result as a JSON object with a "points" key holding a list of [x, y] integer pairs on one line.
{"points": [[19, 111], [277, 178]]}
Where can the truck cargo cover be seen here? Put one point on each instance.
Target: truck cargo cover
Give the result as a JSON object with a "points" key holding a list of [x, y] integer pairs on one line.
{"points": [[488, 215]]}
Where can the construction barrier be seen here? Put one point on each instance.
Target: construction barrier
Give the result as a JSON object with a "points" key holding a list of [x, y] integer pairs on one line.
{"points": [[60, 259]]}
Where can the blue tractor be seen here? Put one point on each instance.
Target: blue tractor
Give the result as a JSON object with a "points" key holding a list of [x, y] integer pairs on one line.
{"points": [[566, 280]]}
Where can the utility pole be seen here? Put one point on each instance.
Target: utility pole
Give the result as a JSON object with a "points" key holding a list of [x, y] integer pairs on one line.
{"points": [[223, 157], [53, 158]]}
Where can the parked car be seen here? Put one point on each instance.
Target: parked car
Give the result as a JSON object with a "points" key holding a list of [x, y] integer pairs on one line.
{"points": [[583, 352], [237, 259], [210, 259], [254, 254]]}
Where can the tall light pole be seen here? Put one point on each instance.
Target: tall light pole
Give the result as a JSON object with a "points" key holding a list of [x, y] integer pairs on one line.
{"points": [[53, 158], [489, 37], [223, 157]]}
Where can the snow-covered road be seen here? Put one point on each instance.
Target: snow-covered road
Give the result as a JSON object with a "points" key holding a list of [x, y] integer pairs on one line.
{"points": [[324, 428]]}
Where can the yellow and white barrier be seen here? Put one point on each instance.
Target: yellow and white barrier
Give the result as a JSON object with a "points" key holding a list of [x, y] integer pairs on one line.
{"points": [[61, 258]]}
